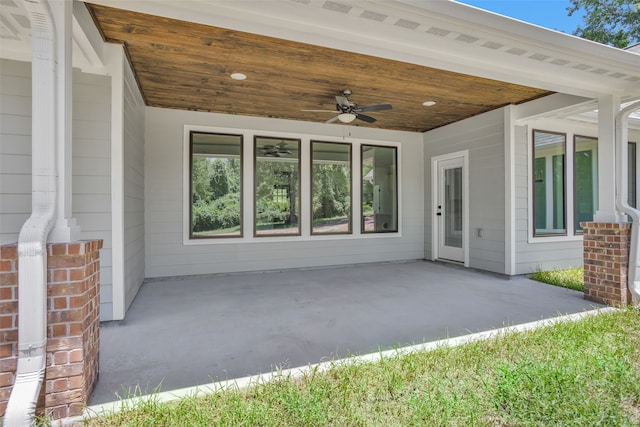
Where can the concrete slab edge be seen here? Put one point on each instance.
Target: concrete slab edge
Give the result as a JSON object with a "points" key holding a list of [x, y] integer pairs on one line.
{"points": [[299, 372]]}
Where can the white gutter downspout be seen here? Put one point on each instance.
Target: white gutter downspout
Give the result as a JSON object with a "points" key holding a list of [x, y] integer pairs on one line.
{"points": [[633, 277], [32, 241]]}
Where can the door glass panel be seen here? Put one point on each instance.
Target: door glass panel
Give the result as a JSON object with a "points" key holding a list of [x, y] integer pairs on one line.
{"points": [[453, 207]]}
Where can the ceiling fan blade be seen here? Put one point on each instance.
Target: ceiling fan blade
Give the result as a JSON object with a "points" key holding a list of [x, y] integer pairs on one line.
{"points": [[378, 107], [319, 111], [364, 118], [331, 120]]}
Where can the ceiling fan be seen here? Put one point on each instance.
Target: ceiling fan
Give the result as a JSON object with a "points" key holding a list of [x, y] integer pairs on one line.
{"points": [[348, 111], [277, 150]]}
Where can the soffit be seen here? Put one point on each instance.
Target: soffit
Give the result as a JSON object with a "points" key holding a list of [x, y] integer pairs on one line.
{"points": [[186, 65]]}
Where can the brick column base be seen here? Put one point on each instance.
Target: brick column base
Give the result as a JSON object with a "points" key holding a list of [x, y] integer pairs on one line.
{"points": [[73, 335], [606, 262]]}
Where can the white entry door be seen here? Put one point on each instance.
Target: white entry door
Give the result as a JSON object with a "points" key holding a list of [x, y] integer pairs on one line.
{"points": [[451, 209]]}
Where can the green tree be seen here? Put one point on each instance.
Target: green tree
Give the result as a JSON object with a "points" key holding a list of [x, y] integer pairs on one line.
{"points": [[331, 188], [219, 181], [612, 22], [202, 171]]}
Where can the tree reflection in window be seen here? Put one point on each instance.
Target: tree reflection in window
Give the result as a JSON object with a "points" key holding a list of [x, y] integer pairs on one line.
{"points": [[379, 189], [215, 185], [330, 188], [277, 186]]}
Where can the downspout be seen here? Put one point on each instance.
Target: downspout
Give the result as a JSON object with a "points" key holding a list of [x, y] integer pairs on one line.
{"points": [[633, 276], [32, 241]]}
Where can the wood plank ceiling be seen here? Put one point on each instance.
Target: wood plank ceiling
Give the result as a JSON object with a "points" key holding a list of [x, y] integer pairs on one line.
{"points": [[187, 66]]}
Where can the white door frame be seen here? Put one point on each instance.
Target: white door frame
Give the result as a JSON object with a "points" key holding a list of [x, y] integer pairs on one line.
{"points": [[435, 232]]}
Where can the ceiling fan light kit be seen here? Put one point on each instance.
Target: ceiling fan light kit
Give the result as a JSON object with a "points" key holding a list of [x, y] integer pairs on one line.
{"points": [[346, 117], [348, 111]]}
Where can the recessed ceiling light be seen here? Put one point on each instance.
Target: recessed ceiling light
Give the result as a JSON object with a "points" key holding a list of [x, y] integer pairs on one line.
{"points": [[429, 103], [238, 76]]}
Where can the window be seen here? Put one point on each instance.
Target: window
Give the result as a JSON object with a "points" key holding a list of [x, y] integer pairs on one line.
{"points": [[549, 183], [215, 185], [585, 196], [277, 186], [330, 188], [379, 189]]}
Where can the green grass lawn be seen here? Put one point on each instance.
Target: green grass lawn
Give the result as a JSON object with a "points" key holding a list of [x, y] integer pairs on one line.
{"points": [[584, 373], [572, 278]]}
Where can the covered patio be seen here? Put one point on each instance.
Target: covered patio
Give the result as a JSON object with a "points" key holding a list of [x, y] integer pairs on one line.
{"points": [[188, 331]]}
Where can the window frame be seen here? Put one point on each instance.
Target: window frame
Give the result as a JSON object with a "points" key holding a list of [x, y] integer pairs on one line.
{"points": [[255, 187], [397, 191], [533, 186], [248, 186], [192, 237], [311, 180]]}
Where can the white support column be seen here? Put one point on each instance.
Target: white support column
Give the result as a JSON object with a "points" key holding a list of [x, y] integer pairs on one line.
{"points": [[510, 192], [116, 63], [65, 228], [608, 107]]}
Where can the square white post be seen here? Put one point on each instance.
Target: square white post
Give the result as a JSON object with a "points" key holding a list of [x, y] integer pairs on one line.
{"points": [[608, 107], [65, 228]]}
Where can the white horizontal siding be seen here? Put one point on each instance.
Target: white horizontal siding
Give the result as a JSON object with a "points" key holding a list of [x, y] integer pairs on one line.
{"points": [[90, 206], [166, 255], [15, 148], [92, 171], [483, 136]]}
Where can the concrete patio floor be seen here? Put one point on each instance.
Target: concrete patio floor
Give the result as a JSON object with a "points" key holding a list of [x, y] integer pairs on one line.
{"points": [[193, 330]]}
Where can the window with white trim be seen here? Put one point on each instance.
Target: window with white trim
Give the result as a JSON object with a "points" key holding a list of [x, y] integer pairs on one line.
{"points": [[549, 207], [215, 185], [291, 180], [379, 189], [585, 181], [564, 187], [330, 188], [276, 186]]}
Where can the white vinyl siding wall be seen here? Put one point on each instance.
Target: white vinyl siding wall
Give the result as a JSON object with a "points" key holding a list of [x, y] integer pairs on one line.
{"points": [[133, 178], [92, 171], [483, 136], [91, 180], [167, 255]]}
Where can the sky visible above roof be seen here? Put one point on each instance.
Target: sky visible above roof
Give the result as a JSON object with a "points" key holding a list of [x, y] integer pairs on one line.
{"points": [[550, 14]]}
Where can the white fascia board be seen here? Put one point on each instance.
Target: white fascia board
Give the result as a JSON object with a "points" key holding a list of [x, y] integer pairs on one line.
{"points": [[88, 45], [312, 23], [15, 50], [552, 104]]}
